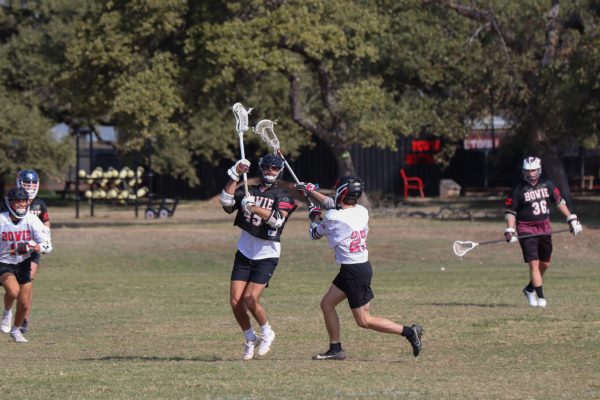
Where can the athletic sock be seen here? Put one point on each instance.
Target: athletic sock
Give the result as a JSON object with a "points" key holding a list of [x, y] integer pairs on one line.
{"points": [[250, 335], [6, 312], [529, 287], [540, 292], [265, 329], [407, 332], [335, 347]]}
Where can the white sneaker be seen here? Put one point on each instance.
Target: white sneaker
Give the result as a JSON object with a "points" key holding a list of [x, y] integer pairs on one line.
{"points": [[541, 302], [531, 296], [265, 343], [249, 348], [6, 323], [18, 336]]}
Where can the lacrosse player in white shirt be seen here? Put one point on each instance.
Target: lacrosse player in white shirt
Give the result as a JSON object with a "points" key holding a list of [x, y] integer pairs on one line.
{"points": [[345, 225], [21, 234]]}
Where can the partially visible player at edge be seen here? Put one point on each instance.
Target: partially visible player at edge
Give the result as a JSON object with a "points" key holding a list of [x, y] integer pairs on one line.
{"points": [[22, 234], [528, 212], [261, 217], [345, 225]]}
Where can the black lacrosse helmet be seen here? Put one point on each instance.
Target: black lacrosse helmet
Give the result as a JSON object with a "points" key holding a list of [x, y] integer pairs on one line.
{"points": [[347, 187], [14, 195], [270, 160]]}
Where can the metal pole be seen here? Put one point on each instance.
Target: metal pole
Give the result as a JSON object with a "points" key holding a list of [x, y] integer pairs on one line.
{"points": [[77, 166], [135, 169], [91, 163]]}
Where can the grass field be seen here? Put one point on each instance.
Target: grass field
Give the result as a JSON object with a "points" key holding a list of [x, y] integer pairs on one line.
{"points": [[131, 309]]}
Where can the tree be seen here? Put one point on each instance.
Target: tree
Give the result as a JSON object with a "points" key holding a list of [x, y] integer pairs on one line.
{"points": [[25, 137], [532, 46], [311, 62]]}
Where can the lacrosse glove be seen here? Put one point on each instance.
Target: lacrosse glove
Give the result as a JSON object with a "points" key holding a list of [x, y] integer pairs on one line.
{"points": [[314, 212], [238, 169], [510, 235], [307, 187], [247, 203], [574, 224]]}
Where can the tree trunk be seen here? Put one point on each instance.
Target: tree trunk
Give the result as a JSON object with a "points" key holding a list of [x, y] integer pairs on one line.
{"points": [[552, 164]]}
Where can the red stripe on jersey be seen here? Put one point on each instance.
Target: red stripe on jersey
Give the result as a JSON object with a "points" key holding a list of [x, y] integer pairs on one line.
{"points": [[508, 201], [285, 206], [45, 217]]}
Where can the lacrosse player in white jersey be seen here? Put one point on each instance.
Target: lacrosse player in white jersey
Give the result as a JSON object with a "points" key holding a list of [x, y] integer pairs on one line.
{"points": [[261, 216], [21, 234], [345, 225]]}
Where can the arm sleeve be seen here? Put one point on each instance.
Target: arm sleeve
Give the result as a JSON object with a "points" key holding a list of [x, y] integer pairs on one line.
{"points": [[328, 203], [555, 194], [286, 203], [512, 201]]}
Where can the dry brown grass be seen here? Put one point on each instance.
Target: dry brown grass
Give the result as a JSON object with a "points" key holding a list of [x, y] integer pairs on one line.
{"points": [[128, 308]]}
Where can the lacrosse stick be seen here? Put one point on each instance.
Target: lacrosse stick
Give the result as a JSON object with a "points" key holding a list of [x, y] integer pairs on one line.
{"points": [[463, 247], [266, 130], [241, 126]]}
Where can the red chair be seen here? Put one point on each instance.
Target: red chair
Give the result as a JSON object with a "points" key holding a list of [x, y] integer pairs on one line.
{"points": [[411, 182]]}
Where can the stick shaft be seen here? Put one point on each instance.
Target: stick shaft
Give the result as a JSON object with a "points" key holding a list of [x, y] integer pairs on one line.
{"points": [[525, 236], [310, 202], [243, 154]]}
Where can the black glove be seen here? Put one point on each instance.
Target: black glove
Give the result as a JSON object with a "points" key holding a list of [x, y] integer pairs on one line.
{"points": [[22, 248]]}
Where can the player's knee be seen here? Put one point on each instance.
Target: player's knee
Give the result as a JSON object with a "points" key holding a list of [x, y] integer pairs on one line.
{"points": [[250, 301], [12, 292], [236, 303], [363, 323]]}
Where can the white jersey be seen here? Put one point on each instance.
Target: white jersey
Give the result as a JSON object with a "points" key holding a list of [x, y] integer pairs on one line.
{"points": [[256, 248], [26, 229], [347, 232]]}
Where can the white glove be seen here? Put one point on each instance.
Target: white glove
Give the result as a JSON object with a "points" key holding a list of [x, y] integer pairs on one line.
{"points": [[510, 235], [247, 203], [238, 169], [574, 224]]}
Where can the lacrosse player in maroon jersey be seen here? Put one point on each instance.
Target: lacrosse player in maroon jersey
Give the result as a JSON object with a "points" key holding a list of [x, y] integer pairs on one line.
{"points": [[261, 216], [21, 234], [345, 225], [30, 181], [528, 213]]}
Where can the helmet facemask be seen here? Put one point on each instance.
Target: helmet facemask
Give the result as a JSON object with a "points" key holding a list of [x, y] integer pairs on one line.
{"points": [[30, 181], [532, 170], [271, 169], [17, 202]]}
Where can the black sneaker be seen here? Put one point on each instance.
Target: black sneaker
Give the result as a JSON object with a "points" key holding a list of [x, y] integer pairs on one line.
{"points": [[24, 326], [415, 339], [331, 355]]}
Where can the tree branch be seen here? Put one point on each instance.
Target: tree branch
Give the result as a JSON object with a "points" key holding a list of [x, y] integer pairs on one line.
{"points": [[552, 31], [486, 17]]}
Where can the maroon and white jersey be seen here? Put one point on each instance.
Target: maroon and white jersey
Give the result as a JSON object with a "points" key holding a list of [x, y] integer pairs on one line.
{"points": [[38, 207], [531, 206], [347, 232], [26, 229]]}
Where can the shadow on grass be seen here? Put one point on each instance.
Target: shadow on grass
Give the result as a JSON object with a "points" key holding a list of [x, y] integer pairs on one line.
{"points": [[142, 222], [457, 304], [210, 358]]}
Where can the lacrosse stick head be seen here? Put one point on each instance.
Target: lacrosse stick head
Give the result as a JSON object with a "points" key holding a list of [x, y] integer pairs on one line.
{"points": [[266, 130], [241, 117], [463, 247]]}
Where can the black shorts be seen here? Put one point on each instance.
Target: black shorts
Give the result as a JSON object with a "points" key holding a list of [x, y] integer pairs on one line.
{"points": [[355, 281], [257, 271], [537, 248], [22, 270]]}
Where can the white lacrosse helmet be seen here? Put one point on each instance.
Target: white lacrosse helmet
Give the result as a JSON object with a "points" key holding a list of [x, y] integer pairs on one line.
{"points": [[532, 170]]}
